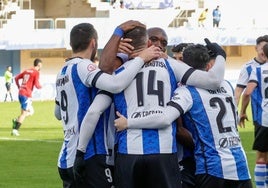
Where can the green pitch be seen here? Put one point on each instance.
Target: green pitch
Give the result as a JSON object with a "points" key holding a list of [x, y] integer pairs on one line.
{"points": [[30, 160]]}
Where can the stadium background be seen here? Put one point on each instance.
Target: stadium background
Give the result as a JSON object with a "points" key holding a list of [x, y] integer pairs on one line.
{"points": [[32, 29]]}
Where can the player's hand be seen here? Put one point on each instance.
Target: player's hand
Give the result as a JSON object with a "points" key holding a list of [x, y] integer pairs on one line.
{"points": [[125, 47], [215, 48], [153, 52], [130, 24], [121, 122], [79, 167], [242, 119]]}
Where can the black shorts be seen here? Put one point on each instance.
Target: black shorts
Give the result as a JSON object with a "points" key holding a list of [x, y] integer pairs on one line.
{"points": [[261, 141], [187, 169], [208, 181], [8, 86], [147, 171], [67, 177], [97, 173]]}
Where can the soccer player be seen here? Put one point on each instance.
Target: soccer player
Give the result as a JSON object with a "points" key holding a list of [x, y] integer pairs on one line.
{"points": [[76, 87], [8, 78], [247, 68], [26, 81], [178, 50], [150, 90], [212, 115], [257, 90]]}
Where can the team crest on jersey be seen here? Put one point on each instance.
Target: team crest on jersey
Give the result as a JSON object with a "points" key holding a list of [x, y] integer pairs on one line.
{"points": [[91, 67]]}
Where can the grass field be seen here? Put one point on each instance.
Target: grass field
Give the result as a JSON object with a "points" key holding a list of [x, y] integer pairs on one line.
{"points": [[30, 160]]}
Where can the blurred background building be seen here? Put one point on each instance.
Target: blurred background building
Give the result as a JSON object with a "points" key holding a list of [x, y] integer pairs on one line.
{"points": [[32, 29]]}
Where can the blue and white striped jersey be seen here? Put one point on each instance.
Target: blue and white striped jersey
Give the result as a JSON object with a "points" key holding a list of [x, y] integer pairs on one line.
{"points": [[213, 117], [76, 87], [245, 73], [259, 97], [148, 94]]}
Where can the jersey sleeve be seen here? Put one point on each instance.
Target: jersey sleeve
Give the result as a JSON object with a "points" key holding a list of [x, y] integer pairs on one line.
{"points": [[100, 103], [243, 77], [203, 79], [179, 104], [114, 83]]}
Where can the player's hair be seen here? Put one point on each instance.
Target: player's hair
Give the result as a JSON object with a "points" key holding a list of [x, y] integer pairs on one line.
{"points": [[180, 47], [81, 35], [265, 50], [260, 39], [36, 61], [196, 56], [139, 37]]}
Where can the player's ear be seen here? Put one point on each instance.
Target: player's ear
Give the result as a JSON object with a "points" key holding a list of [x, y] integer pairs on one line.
{"points": [[92, 43]]}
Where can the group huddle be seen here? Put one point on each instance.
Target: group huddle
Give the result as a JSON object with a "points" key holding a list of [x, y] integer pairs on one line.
{"points": [[143, 119]]}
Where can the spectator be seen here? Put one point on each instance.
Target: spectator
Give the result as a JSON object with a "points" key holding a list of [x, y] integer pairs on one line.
{"points": [[216, 16], [8, 79], [202, 18]]}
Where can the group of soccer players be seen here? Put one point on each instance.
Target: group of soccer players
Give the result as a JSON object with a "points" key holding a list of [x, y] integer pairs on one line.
{"points": [[120, 118]]}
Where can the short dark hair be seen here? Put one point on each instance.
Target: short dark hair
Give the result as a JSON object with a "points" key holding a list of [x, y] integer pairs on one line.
{"points": [[80, 36], [36, 61], [139, 37], [263, 38], [180, 47], [196, 56], [265, 50]]}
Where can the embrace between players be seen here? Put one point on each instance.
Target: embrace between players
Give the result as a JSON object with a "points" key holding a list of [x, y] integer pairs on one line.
{"points": [[120, 118]]}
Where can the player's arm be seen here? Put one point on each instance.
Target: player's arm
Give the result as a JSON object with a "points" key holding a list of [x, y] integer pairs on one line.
{"points": [[108, 60], [183, 135], [245, 102], [17, 78], [57, 113], [237, 93], [36, 81], [100, 103], [241, 84], [89, 123], [204, 79], [125, 74], [159, 121], [176, 107]]}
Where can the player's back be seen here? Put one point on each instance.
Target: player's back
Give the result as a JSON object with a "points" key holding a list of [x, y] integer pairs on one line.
{"points": [[218, 148], [148, 93], [74, 98], [28, 77]]}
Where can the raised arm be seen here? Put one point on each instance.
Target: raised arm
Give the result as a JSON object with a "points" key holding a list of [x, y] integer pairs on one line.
{"points": [[108, 59], [125, 74], [207, 79]]}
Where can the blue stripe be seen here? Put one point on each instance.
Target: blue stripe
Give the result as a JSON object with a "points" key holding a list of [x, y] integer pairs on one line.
{"points": [[260, 97], [121, 106], [242, 169], [199, 115], [147, 136], [63, 161], [173, 83]]}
